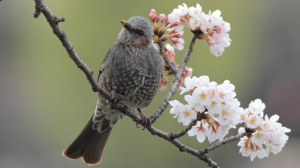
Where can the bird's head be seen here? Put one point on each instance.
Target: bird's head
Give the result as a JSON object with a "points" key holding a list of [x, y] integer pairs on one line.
{"points": [[136, 32]]}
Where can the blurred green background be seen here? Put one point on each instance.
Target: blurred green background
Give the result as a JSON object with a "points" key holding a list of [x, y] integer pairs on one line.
{"points": [[45, 100]]}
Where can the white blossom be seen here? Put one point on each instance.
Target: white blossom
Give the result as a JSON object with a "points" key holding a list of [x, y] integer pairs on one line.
{"points": [[214, 107], [199, 129], [258, 137], [215, 18], [228, 114], [189, 83], [173, 18], [216, 49], [195, 12], [186, 115], [205, 20], [226, 90], [182, 10], [257, 107], [194, 23], [243, 115], [253, 121], [201, 95], [178, 43], [176, 109]]}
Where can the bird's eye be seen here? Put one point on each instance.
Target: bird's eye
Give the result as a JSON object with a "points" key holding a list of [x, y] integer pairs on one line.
{"points": [[141, 33]]}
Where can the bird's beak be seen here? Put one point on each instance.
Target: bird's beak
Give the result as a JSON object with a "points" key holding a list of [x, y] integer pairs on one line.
{"points": [[126, 25]]}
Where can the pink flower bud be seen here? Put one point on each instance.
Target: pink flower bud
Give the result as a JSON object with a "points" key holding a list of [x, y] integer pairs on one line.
{"points": [[187, 72], [163, 84], [218, 29], [152, 17], [187, 17], [203, 29], [167, 22], [162, 17], [182, 19], [153, 11], [211, 33], [177, 35], [210, 41], [156, 18]]}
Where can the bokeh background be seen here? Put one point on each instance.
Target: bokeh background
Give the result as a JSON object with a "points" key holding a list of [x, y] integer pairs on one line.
{"points": [[45, 100]]}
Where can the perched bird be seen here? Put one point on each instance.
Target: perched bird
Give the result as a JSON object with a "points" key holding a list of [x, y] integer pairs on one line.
{"points": [[132, 69]]}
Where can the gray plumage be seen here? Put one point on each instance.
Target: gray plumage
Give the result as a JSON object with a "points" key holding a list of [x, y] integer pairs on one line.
{"points": [[133, 68]]}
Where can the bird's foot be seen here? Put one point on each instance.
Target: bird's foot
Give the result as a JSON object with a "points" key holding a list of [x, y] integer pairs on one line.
{"points": [[116, 96], [145, 120]]}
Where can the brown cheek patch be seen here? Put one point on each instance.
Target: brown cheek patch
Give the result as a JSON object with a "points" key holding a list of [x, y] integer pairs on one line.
{"points": [[144, 41]]}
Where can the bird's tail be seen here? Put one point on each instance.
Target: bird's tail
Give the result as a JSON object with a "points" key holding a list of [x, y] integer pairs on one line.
{"points": [[89, 144]]}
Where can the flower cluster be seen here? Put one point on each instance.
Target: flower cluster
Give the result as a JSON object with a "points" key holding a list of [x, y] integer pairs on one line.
{"points": [[265, 135], [217, 104], [161, 24], [210, 27], [212, 106], [220, 111]]}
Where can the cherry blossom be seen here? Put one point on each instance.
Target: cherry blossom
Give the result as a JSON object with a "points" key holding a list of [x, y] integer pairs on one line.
{"points": [[210, 27], [199, 130], [253, 121], [195, 12], [176, 109], [217, 104], [266, 134], [182, 10]]}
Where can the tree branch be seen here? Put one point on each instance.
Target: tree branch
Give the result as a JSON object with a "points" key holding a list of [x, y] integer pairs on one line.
{"points": [[183, 132], [54, 20], [219, 143], [165, 104], [182, 147]]}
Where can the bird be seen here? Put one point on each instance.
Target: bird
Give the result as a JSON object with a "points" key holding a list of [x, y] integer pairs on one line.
{"points": [[132, 69]]}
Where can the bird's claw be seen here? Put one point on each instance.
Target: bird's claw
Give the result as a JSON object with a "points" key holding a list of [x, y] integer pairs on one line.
{"points": [[116, 96], [145, 120], [137, 125]]}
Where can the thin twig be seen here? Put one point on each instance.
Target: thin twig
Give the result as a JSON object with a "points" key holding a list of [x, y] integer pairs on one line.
{"points": [[38, 9], [53, 21], [172, 66], [183, 132], [165, 104], [219, 143], [182, 147]]}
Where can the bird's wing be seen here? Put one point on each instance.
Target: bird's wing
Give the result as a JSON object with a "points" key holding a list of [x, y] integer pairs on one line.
{"points": [[103, 64]]}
